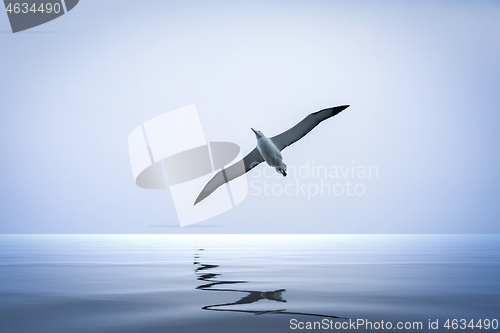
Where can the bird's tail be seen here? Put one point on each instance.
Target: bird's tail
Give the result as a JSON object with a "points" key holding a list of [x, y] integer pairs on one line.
{"points": [[282, 169]]}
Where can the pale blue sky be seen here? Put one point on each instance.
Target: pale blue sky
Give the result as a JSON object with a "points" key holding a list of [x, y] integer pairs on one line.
{"points": [[421, 77]]}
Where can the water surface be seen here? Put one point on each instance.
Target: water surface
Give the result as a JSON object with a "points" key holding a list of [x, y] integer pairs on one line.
{"points": [[242, 283]]}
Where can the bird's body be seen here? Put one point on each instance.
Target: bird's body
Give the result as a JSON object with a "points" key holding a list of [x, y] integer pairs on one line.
{"points": [[269, 150]]}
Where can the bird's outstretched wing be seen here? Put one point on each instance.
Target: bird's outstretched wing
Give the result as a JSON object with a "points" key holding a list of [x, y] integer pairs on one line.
{"points": [[234, 171], [281, 141], [295, 133]]}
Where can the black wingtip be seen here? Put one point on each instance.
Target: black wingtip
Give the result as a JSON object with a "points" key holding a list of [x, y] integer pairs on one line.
{"points": [[341, 107], [336, 109], [200, 198]]}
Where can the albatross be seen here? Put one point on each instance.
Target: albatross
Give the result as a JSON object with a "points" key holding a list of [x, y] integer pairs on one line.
{"points": [[269, 150]]}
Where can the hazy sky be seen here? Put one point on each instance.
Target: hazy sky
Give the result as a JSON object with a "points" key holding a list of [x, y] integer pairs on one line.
{"points": [[422, 79]]}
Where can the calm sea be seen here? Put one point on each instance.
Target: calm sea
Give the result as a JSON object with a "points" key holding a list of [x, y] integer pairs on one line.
{"points": [[246, 283]]}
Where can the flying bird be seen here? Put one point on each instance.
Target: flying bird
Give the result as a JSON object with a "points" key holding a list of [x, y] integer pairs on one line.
{"points": [[269, 150]]}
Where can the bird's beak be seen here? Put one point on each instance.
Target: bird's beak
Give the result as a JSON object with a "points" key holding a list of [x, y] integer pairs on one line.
{"points": [[254, 131]]}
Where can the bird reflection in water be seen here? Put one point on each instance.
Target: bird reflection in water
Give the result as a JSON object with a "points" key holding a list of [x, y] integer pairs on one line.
{"points": [[211, 280]]}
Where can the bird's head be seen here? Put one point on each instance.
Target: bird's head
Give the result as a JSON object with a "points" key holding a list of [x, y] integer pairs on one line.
{"points": [[258, 134]]}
